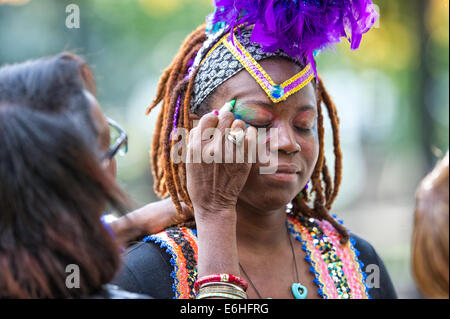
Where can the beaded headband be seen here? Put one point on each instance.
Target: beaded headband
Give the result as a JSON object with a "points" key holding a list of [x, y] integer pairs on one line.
{"points": [[276, 92], [294, 29], [234, 52]]}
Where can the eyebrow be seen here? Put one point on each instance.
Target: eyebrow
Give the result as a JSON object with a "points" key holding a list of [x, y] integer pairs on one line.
{"points": [[302, 108], [260, 103]]}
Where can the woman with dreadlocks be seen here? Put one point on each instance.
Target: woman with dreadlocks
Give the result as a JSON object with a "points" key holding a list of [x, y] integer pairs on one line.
{"points": [[255, 235]]}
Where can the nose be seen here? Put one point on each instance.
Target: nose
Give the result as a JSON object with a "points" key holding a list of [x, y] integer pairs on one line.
{"points": [[286, 139]]}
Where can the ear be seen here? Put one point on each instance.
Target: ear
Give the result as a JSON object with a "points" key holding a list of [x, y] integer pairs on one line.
{"points": [[193, 118]]}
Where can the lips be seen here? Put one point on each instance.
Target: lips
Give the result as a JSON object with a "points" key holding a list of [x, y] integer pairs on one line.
{"points": [[287, 169], [284, 174]]}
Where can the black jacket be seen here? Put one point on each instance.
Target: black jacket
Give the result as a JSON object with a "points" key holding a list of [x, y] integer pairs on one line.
{"points": [[114, 292]]}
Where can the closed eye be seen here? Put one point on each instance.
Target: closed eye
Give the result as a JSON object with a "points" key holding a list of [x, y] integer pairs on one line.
{"points": [[306, 128]]}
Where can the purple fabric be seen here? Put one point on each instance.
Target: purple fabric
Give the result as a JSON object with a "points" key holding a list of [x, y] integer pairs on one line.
{"points": [[253, 67], [298, 81], [299, 27]]}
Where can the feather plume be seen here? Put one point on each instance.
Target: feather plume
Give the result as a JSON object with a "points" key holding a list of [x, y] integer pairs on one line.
{"points": [[298, 27]]}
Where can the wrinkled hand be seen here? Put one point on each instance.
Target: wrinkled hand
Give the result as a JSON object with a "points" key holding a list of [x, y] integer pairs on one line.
{"points": [[214, 187], [150, 219]]}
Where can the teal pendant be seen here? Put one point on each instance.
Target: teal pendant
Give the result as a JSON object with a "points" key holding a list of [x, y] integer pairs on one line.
{"points": [[299, 291]]}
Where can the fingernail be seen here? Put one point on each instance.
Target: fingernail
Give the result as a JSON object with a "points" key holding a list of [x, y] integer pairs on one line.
{"points": [[216, 112]]}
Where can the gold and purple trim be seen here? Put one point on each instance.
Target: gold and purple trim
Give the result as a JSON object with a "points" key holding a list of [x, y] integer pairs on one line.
{"points": [[276, 92]]}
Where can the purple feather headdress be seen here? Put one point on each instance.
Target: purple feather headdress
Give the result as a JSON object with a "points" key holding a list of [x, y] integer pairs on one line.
{"points": [[298, 27]]}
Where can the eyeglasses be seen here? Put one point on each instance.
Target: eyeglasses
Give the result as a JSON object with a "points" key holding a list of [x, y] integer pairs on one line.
{"points": [[119, 140]]}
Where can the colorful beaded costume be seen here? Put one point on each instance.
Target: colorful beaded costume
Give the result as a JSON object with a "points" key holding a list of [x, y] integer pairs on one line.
{"points": [[338, 271]]}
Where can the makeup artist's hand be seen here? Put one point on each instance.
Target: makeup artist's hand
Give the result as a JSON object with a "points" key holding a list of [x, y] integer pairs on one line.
{"points": [[214, 187]]}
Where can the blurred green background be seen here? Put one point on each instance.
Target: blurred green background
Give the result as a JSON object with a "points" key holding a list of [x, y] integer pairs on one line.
{"points": [[392, 95]]}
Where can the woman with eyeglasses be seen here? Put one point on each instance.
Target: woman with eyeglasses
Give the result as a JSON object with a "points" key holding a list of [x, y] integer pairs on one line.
{"points": [[57, 174], [64, 84], [53, 190]]}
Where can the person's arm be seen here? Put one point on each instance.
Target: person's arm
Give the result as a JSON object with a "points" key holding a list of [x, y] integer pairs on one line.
{"points": [[214, 191], [150, 219], [217, 245]]}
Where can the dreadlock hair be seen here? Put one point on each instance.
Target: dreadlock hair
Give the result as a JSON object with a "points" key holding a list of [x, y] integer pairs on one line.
{"points": [[170, 178]]}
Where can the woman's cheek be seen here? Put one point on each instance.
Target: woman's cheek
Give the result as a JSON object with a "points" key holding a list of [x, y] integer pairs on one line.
{"points": [[310, 149]]}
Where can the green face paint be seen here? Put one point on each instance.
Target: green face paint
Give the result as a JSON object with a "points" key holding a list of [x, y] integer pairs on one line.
{"points": [[244, 113]]}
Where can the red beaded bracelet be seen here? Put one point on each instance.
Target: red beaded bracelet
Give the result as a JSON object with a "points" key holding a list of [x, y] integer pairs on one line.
{"points": [[221, 278]]}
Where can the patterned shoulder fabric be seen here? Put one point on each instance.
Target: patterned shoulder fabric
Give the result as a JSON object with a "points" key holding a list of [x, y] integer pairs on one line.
{"points": [[336, 267], [182, 245]]}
